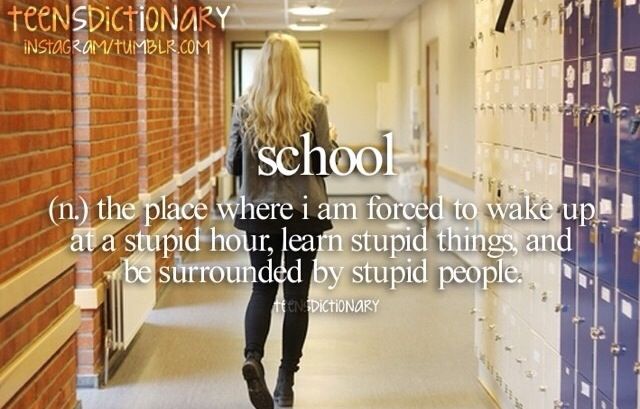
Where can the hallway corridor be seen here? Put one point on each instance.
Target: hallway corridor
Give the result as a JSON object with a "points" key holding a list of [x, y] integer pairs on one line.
{"points": [[415, 352]]}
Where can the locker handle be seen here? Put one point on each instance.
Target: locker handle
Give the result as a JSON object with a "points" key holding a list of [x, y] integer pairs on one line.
{"points": [[617, 349], [492, 327], [508, 348], [473, 311], [577, 320], [636, 368], [561, 308], [542, 388], [530, 374], [620, 110], [558, 404], [498, 337], [597, 333], [617, 230], [521, 360]]}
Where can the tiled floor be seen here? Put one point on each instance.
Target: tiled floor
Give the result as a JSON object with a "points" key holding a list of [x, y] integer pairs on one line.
{"points": [[415, 352]]}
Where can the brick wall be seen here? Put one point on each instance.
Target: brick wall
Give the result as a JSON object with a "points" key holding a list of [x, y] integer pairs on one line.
{"points": [[36, 165], [107, 161], [91, 126]]}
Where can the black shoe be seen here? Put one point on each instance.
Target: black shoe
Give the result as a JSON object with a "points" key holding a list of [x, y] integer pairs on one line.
{"points": [[253, 373], [283, 394]]}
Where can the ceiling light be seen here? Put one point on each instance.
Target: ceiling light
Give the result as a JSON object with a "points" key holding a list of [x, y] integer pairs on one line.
{"points": [[312, 10], [307, 27]]}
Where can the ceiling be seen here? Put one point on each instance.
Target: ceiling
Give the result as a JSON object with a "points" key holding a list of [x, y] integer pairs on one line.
{"points": [[349, 15]]}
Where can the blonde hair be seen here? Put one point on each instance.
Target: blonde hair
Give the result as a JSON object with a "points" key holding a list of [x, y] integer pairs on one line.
{"points": [[279, 102]]}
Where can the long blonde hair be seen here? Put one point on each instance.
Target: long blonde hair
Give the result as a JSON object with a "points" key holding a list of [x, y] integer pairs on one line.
{"points": [[279, 102]]}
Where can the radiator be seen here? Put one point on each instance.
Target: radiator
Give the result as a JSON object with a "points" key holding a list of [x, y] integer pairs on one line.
{"points": [[126, 306]]}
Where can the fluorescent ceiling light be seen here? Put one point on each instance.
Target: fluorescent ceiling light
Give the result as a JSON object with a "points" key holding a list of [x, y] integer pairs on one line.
{"points": [[307, 27], [311, 11]]}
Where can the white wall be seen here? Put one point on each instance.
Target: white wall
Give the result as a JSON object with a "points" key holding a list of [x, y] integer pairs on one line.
{"points": [[452, 23]]}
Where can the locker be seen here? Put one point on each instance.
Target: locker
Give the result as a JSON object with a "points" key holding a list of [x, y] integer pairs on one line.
{"points": [[606, 219], [604, 334], [528, 32], [607, 123], [555, 108], [571, 30], [521, 389], [584, 322], [551, 382], [555, 44], [551, 299], [569, 197], [553, 194], [568, 310], [630, 112], [608, 16], [542, 33], [588, 100], [630, 24], [571, 123], [567, 387], [584, 393], [626, 349], [518, 110], [479, 318], [496, 110], [628, 241], [602, 401], [534, 372], [588, 27], [586, 240], [528, 106], [540, 114], [510, 45]]}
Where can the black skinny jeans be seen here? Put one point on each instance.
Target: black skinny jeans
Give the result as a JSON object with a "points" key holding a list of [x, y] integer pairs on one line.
{"points": [[296, 317]]}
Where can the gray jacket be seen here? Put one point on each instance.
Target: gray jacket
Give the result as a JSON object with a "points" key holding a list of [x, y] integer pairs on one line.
{"points": [[278, 188]]}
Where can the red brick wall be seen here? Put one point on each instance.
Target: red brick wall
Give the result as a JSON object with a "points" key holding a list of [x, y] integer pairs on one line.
{"points": [[90, 126], [107, 160], [156, 157], [36, 155], [218, 112], [55, 384], [36, 165]]}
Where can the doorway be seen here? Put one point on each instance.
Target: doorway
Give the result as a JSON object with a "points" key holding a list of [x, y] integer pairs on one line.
{"points": [[433, 98]]}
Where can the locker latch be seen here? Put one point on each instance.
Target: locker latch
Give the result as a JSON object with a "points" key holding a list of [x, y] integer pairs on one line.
{"points": [[558, 404], [545, 112], [533, 113], [498, 337], [595, 229], [577, 320], [634, 123], [508, 348], [544, 297], [620, 110], [636, 248], [561, 308], [636, 368], [617, 349], [561, 13], [597, 333], [592, 114]]}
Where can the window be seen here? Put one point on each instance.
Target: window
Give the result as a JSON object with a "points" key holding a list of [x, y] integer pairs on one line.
{"points": [[245, 57]]}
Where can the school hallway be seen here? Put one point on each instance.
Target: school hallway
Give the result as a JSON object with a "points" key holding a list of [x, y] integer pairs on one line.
{"points": [[416, 351]]}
